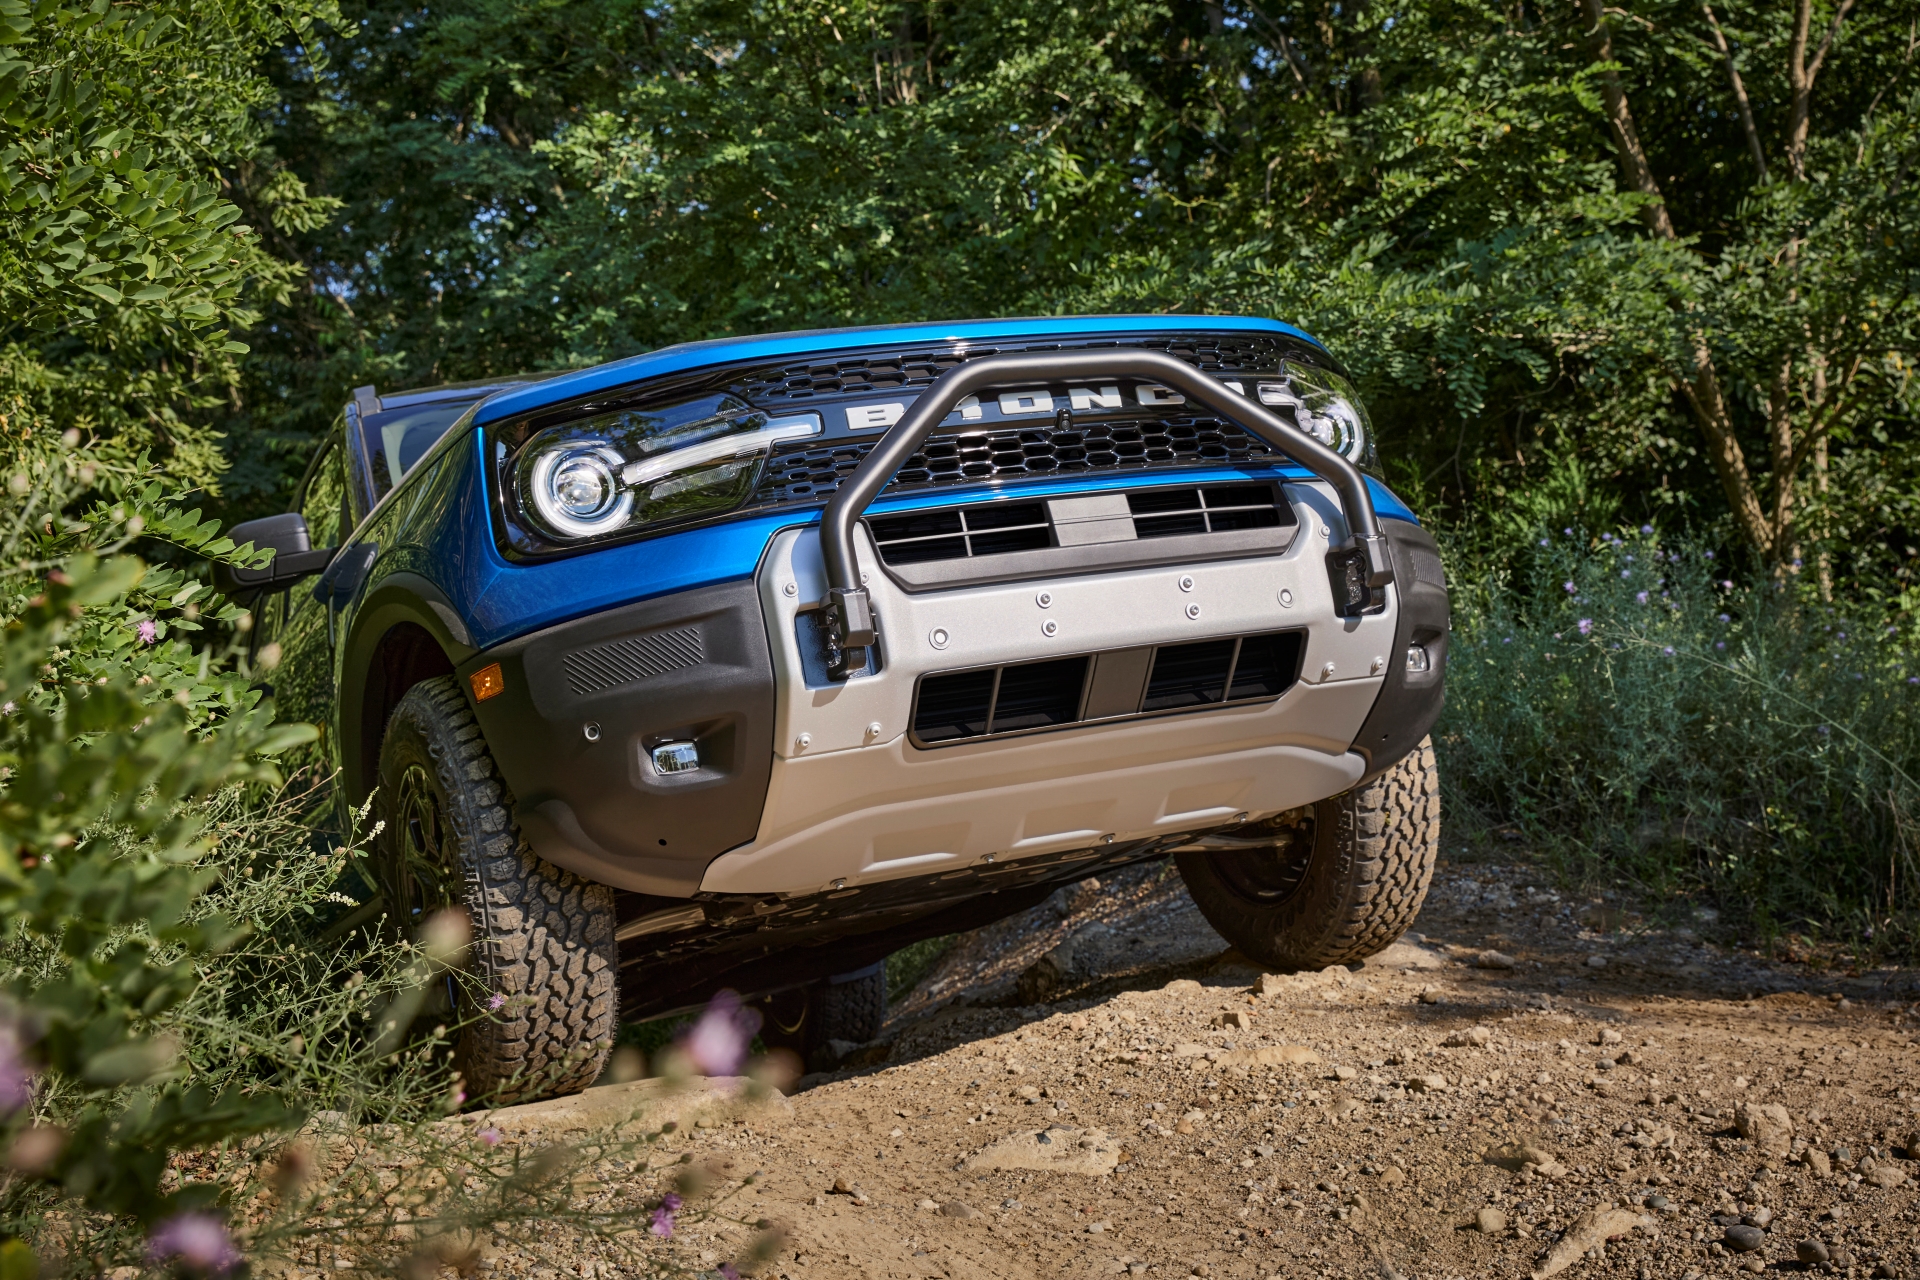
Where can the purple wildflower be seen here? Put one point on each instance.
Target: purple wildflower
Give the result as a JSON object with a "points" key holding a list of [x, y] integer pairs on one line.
{"points": [[1725, 618], [1726, 584], [663, 1216], [147, 632], [1646, 528], [1568, 586], [496, 1002], [718, 1042], [489, 1135], [16, 1078], [197, 1240], [1668, 651], [729, 1272], [1626, 573], [1543, 542], [1641, 597], [1722, 644], [1568, 532], [1709, 555], [1586, 626]]}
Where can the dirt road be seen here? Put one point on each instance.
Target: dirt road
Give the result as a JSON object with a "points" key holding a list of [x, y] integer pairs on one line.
{"points": [[1098, 1087]]}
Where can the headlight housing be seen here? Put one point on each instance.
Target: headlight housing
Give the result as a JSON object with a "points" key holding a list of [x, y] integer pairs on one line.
{"points": [[617, 473], [1325, 406]]}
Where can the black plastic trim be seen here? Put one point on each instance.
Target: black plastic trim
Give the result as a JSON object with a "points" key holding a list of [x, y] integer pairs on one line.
{"points": [[579, 764], [1409, 702]]}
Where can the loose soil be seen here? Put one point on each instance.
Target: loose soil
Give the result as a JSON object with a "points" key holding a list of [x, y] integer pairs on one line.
{"points": [[1459, 1113]]}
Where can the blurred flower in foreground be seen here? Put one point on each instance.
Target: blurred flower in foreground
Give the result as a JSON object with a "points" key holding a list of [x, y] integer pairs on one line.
{"points": [[197, 1240], [663, 1216], [717, 1045], [489, 1135], [16, 1082]]}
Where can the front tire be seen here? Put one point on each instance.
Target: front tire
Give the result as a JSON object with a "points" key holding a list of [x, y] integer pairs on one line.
{"points": [[1339, 881], [543, 940]]}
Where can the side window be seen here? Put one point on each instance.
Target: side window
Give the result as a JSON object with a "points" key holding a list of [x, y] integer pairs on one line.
{"points": [[324, 500], [303, 683]]}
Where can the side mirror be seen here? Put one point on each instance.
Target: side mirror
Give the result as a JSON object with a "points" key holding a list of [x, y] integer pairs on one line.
{"points": [[293, 555]]}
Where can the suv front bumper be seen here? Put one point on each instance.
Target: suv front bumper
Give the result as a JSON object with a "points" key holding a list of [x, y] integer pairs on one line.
{"points": [[807, 785]]}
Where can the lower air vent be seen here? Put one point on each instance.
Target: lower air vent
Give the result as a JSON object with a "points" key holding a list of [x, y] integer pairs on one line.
{"points": [[1080, 520], [636, 658], [1167, 513], [961, 532], [957, 706]]}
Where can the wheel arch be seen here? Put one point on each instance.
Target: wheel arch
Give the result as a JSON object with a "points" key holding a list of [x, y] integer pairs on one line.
{"points": [[406, 631]]}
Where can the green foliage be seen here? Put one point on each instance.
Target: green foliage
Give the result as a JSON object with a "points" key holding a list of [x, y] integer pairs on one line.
{"points": [[1430, 188], [123, 266], [1618, 702], [123, 270], [108, 742]]}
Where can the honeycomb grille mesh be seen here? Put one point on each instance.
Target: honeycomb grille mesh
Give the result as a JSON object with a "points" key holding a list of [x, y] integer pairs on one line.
{"points": [[635, 658], [892, 370], [810, 475]]}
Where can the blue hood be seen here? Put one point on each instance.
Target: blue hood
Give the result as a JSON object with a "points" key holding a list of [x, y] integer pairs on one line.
{"points": [[719, 351]]}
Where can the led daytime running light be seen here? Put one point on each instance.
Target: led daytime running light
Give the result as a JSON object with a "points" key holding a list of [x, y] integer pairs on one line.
{"points": [[637, 474]]}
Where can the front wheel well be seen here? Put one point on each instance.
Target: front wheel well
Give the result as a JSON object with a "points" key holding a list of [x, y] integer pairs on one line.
{"points": [[406, 655]]}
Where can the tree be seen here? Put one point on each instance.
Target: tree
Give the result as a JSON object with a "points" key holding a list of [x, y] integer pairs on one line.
{"points": [[1533, 235]]}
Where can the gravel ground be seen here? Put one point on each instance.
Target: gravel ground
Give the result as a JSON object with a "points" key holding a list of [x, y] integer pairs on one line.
{"points": [[1528, 1084]]}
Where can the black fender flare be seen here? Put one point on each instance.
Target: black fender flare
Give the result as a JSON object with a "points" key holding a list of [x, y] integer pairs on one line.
{"points": [[375, 669]]}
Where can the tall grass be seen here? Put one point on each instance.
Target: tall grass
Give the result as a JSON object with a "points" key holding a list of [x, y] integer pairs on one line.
{"points": [[1626, 707]]}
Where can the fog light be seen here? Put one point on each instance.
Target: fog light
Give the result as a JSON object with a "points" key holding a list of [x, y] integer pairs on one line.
{"points": [[676, 757], [1417, 659]]}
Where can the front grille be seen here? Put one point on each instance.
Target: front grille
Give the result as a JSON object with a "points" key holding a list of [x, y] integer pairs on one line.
{"points": [[812, 475], [1025, 697]]}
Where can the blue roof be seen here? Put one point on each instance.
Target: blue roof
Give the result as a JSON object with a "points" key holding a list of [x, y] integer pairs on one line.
{"points": [[695, 355]]}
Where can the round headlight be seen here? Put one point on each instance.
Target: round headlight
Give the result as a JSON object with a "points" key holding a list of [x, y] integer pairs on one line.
{"points": [[1334, 423], [576, 490], [1326, 407]]}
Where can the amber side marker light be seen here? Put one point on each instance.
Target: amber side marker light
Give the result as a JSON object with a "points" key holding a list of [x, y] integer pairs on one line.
{"points": [[487, 682]]}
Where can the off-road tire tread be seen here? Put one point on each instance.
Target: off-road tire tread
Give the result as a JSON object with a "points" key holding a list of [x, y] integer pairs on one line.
{"points": [[542, 937], [854, 1011], [1367, 882], [1397, 840]]}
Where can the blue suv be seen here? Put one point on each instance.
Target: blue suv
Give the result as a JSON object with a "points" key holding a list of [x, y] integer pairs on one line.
{"points": [[742, 664]]}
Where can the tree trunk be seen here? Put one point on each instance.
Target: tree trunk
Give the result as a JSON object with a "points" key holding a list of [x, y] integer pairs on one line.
{"points": [[1633, 157], [1701, 384]]}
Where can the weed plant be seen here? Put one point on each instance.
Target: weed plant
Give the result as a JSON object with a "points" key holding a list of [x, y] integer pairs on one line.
{"points": [[1628, 708]]}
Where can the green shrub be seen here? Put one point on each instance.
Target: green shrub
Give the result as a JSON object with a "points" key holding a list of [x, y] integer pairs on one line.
{"points": [[1629, 708]]}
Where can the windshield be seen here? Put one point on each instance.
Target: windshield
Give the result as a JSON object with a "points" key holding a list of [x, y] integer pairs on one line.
{"points": [[399, 438]]}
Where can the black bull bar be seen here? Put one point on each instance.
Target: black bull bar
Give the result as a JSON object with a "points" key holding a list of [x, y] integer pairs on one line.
{"points": [[1369, 565]]}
